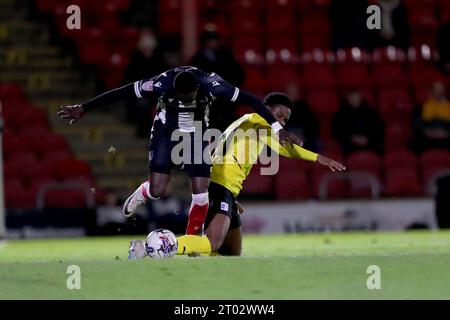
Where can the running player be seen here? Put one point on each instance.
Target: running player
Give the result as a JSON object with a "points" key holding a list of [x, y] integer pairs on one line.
{"points": [[184, 96]]}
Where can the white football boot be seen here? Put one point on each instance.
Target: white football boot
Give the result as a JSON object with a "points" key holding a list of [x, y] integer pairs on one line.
{"points": [[133, 202], [137, 250]]}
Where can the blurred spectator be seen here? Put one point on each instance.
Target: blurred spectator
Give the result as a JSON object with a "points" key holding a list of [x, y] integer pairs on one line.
{"points": [[303, 121], [357, 126], [348, 21], [146, 61], [443, 43], [213, 56], [432, 121], [394, 25]]}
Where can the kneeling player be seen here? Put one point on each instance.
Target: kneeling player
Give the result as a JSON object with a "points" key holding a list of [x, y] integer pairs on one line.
{"points": [[223, 223]]}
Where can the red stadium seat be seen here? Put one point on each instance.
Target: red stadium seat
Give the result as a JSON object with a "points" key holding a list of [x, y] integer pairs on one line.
{"points": [[54, 156], [255, 80], [336, 189], [324, 102], [246, 24], [422, 74], [16, 196], [55, 142], [315, 23], [33, 138], [366, 161], [281, 23], [395, 104], [65, 199], [279, 43], [248, 49], [388, 56], [22, 199], [432, 162], [11, 170], [422, 55], [33, 116], [354, 76], [246, 5], [402, 158], [444, 9], [402, 182], [280, 76], [292, 185], [72, 169], [11, 143], [36, 171], [13, 184], [390, 76], [319, 76], [35, 185], [10, 91], [274, 5], [397, 136], [22, 158]]}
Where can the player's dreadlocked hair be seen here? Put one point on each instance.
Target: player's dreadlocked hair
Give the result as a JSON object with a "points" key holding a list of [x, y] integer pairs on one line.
{"points": [[278, 98], [185, 82]]}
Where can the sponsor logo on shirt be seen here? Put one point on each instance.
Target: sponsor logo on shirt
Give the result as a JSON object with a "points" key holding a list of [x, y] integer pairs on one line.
{"points": [[224, 206]]}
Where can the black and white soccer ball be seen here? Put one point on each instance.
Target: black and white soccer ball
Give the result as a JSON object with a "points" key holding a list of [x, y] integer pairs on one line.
{"points": [[161, 243]]}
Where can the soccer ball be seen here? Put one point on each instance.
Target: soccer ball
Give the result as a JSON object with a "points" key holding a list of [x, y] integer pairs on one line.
{"points": [[161, 243]]}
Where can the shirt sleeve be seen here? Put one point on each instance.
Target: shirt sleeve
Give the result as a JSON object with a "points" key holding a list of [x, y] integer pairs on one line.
{"points": [[287, 150], [221, 89], [149, 87]]}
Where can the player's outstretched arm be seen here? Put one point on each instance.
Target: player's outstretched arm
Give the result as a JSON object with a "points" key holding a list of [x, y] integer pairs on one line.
{"points": [[76, 112], [330, 163]]}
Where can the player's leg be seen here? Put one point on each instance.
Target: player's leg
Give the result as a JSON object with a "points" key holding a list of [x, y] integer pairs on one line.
{"points": [[215, 235], [160, 167], [199, 170], [232, 244], [217, 230], [199, 205]]}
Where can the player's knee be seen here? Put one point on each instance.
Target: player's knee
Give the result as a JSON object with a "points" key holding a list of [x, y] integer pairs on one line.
{"points": [[215, 242], [156, 191]]}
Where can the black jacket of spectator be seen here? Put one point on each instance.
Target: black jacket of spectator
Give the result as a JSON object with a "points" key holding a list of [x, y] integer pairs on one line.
{"points": [[362, 121], [305, 124]]}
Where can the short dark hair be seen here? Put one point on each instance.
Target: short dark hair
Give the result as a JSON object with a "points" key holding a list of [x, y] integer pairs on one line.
{"points": [[185, 82], [278, 98]]}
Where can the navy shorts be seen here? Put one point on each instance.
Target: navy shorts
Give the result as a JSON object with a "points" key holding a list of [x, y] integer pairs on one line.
{"points": [[222, 201], [160, 154]]}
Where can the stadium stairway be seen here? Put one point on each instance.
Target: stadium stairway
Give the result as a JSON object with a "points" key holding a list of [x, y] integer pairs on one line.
{"points": [[49, 76]]}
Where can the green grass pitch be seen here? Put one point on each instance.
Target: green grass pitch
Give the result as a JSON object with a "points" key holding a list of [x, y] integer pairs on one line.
{"points": [[413, 265]]}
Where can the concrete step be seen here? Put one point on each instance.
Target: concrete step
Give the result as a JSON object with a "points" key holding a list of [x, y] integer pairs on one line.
{"points": [[100, 134], [33, 52], [20, 64], [42, 79]]}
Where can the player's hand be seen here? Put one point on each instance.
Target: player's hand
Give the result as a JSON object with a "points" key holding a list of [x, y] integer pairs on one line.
{"points": [[240, 207], [330, 163], [73, 113], [286, 136]]}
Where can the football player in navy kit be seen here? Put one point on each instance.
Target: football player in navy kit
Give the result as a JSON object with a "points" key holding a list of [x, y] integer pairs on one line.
{"points": [[184, 96]]}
